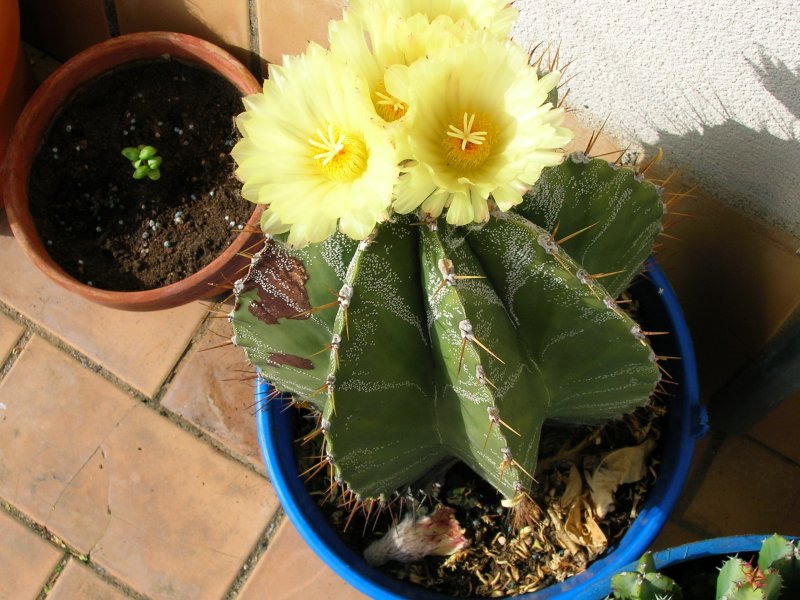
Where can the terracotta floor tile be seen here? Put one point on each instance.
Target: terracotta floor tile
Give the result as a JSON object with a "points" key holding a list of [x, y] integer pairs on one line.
{"points": [[56, 417], [26, 560], [77, 581], [703, 454], [201, 394], [779, 428], [737, 281], [10, 331], [151, 504], [747, 489], [290, 570], [286, 27], [673, 535], [140, 348]]}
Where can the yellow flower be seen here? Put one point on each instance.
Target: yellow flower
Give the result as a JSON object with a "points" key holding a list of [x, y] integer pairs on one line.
{"points": [[379, 45], [313, 151], [493, 17], [482, 127], [379, 38]]}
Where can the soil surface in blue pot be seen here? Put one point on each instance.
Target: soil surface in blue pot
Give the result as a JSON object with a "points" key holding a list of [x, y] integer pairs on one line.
{"points": [[504, 557]]}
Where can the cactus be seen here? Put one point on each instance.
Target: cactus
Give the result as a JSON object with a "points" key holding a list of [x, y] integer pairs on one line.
{"points": [[739, 580], [774, 574], [427, 342], [645, 583]]}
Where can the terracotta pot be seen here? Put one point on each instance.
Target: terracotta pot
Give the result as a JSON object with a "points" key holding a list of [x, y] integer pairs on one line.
{"points": [[16, 80], [32, 127]]}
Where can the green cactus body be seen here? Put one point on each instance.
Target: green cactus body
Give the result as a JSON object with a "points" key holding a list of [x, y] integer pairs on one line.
{"points": [[782, 555], [438, 342], [644, 583], [738, 580]]}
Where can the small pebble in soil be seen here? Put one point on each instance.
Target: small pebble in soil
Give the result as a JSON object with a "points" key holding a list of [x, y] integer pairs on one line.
{"points": [[49, 242], [98, 229], [145, 235], [167, 244], [68, 128]]}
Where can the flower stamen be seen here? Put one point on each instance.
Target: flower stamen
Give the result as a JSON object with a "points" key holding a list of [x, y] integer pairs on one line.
{"points": [[331, 145], [467, 148], [343, 157], [388, 107], [466, 135]]}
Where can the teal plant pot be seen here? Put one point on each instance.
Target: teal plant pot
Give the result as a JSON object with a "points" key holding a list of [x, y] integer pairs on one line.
{"points": [[686, 422]]}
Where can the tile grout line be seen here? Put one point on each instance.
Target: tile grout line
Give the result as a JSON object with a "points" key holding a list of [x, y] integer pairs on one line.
{"points": [[261, 547], [15, 352], [254, 40], [771, 450], [69, 552], [54, 576], [112, 20], [153, 403]]}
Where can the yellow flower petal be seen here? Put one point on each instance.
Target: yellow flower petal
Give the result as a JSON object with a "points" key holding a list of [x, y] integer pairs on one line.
{"points": [[482, 126], [313, 150]]}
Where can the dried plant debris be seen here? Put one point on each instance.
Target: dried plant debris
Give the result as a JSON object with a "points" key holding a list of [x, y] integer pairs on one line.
{"points": [[591, 484]]}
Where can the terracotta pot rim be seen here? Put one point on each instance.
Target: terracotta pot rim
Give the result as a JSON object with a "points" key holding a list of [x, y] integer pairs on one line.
{"points": [[43, 107]]}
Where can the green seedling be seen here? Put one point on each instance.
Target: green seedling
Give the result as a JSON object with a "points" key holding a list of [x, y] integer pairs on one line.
{"points": [[145, 161]]}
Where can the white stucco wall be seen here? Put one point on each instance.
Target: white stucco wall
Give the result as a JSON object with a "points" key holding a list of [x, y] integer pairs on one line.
{"points": [[715, 83]]}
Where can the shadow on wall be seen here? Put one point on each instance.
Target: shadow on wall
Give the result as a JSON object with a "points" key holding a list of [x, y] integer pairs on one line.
{"points": [[755, 169], [725, 271]]}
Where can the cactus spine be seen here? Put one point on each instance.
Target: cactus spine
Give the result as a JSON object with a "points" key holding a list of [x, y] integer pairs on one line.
{"points": [[427, 341]]}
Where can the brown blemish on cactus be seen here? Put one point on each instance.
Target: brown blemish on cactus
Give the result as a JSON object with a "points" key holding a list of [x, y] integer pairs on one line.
{"points": [[279, 279], [290, 360]]}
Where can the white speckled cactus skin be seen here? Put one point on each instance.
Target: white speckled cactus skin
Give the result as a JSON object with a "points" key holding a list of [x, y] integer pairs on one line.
{"points": [[428, 341]]}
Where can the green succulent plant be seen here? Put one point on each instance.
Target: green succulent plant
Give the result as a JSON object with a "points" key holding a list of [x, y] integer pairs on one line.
{"points": [[428, 342], [145, 161], [774, 576]]}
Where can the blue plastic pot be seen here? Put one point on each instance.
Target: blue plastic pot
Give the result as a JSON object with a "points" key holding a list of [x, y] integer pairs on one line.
{"points": [[720, 548], [686, 423]]}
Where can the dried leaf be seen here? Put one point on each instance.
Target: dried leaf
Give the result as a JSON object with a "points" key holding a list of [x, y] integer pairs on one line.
{"points": [[573, 489], [625, 465], [582, 527], [562, 537]]}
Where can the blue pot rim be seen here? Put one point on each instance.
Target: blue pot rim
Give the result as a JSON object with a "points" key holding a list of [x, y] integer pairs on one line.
{"points": [[684, 428]]}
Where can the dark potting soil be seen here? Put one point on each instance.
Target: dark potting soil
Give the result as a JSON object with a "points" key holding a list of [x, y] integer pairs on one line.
{"points": [[114, 232]]}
